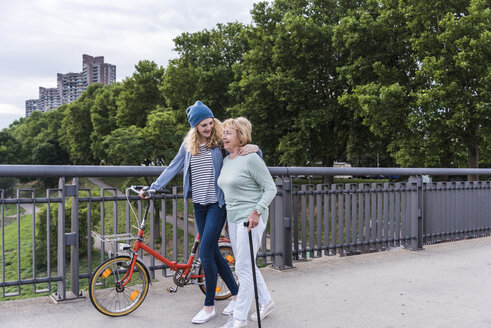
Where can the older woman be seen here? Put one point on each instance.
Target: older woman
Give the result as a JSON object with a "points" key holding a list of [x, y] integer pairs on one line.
{"points": [[249, 189]]}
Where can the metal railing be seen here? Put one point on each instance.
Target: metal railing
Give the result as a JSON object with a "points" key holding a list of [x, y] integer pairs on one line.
{"points": [[305, 220]]}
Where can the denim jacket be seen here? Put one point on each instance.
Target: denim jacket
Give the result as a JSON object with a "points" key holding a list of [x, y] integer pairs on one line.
{"points": [[182, 161]]}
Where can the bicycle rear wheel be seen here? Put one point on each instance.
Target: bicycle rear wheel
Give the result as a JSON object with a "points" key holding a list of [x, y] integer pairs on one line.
{"points": [[222, 291], [109, 296]]}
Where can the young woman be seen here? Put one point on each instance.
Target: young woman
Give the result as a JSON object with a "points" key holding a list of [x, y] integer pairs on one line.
{"points": [[200, 155], [249, 189]]}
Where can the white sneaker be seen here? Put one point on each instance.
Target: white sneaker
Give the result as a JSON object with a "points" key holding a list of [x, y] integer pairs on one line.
{"points": [[264, 309], [229, 310], [233, 323], [203, 316]]}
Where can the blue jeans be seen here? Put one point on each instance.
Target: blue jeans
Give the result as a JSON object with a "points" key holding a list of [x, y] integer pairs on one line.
{"points": [[210, 219]]}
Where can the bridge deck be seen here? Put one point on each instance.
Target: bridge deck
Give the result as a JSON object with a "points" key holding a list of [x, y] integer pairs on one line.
{"points": [[446, 285]]}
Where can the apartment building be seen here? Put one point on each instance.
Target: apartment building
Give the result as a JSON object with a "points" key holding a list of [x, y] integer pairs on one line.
{"points": [[31, 106], [70, 86], [95, 70], [49, 98]]}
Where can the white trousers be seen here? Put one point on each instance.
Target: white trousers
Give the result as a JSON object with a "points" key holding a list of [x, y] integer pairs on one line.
{"points": [[239, 239]]}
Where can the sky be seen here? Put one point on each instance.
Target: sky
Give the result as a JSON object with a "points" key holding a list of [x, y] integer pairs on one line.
{"points": [[40, 38]]}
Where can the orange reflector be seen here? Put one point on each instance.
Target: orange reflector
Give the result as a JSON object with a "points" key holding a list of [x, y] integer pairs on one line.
{"points": [[106, 273], [218, 289], [133, 295], [230, 259]]}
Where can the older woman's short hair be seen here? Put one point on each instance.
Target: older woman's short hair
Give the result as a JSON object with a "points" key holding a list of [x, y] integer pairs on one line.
{"points": [[243, 128]]}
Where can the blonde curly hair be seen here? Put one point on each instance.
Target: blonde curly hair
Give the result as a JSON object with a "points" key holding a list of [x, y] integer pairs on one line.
{"points": [[191, 139]]}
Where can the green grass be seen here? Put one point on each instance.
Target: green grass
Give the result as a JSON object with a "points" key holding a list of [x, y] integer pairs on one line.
{"points": [[11, 254], [11, 209]]}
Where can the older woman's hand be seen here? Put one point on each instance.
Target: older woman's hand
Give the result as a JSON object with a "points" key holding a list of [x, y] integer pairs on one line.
{"points": [[253, 220]]}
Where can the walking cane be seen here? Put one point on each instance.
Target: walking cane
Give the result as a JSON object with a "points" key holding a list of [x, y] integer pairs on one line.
{"points": [[246, 224]]}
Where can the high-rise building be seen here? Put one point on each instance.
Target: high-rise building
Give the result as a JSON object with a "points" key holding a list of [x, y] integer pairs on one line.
{"points": [[95, 70], [70, 86], [31, 106], [49, 98]]}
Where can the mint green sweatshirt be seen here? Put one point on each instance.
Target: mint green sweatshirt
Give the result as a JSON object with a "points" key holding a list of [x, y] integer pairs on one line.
{"points": [[247, 185]]}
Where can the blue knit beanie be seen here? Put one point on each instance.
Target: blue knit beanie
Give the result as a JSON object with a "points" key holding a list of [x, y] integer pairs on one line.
{"points": [[197, 113]]}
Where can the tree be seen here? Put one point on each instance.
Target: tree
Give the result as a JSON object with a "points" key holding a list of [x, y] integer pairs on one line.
{"points": [[140, 95], [289, 82], [26, 133], [419, 79], [103, 117], [9, 148], [77, 127], [127, 146], [50, 153], [455, 69], [204, 69], [162, 136], [254, 95], [379, 72]]}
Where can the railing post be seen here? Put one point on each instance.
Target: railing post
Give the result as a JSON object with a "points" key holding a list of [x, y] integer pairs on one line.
{"points": [[282, 247], [287, 222], [68, 239], [72, 239], [416, 242], [60, 294]]}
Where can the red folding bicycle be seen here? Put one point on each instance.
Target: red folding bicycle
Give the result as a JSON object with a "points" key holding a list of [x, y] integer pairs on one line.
{"points": [[120, 284]]}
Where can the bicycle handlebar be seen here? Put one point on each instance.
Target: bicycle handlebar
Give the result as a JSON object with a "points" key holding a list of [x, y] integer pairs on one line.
{"points": [[137, 189]]}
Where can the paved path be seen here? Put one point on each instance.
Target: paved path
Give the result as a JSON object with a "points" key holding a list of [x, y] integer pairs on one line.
{"points": [[98, 182], [27, 211], [445, 285]]}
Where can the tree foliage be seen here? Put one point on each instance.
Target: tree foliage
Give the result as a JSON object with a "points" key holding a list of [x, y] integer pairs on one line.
{"points": [[103, 117], [419, 77], [140, 95], [375, 82], [77, 127]]}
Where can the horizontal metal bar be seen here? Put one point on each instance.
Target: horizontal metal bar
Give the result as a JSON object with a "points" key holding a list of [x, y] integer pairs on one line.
{"points": [[78, 171], [139, 171], [357, 244], [30, 281], [462, 231], [30, 200], [351, 191], [372, 171], [83, 199]]}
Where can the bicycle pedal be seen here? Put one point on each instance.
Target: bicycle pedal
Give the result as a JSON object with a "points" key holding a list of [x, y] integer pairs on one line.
{"points": [[172, 290]]}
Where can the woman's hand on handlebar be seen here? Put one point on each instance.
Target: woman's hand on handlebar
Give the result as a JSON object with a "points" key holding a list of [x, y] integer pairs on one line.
{"points": [[144, 194]]}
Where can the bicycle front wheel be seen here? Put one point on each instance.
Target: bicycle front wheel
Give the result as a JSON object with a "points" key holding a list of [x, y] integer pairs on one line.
{"points": [[107, 293], [222, 292]]}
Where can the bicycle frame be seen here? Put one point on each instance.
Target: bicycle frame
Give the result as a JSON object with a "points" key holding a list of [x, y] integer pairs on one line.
{"points": [[173, 265]]}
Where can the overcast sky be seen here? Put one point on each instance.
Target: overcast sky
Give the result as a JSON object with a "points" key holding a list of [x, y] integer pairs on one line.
{"points": [[40, 38]]}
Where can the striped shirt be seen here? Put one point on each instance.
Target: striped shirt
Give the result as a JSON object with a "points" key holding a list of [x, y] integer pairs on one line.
{"points": [[203, 177]]}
